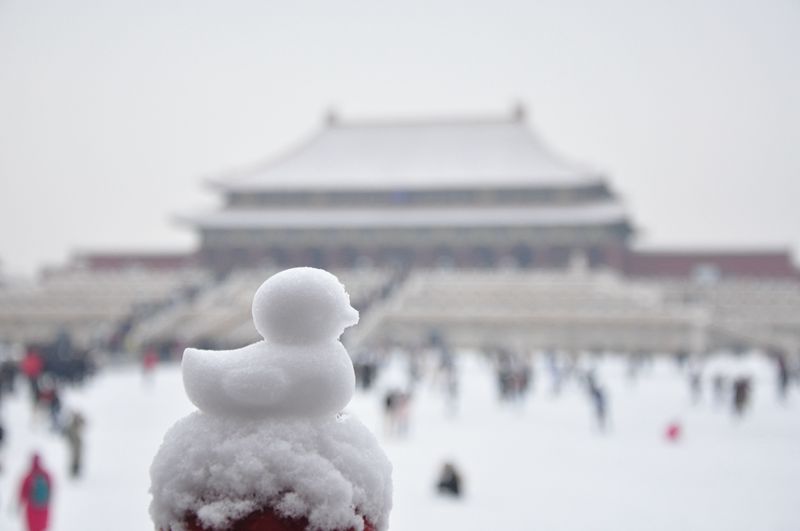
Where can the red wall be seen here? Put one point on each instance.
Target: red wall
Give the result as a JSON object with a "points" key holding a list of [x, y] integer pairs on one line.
{"points": [[777, 264]]}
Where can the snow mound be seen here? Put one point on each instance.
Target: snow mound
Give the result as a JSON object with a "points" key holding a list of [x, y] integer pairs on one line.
{"points": [[333, 472], [268, 434]]}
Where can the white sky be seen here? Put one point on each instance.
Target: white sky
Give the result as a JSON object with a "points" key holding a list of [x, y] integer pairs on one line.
{"points": [[112, 112]]}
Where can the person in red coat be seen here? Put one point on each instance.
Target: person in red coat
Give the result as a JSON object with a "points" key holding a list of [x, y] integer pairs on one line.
{"points": [[673, 432], [32, 367], [149, 360], [34, 494]]}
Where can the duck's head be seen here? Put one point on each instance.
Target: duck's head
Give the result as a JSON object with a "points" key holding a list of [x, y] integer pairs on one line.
{"points": [[302, 305]]}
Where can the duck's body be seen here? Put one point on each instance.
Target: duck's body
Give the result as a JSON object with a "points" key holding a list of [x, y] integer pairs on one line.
{"points": [[270, 379]]}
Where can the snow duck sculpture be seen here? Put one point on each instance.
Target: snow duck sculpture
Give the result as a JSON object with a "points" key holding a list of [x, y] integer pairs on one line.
{"points": [[270, 443], [299, 369]]}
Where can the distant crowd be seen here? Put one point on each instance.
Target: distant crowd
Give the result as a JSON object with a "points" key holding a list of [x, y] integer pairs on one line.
{"points": [[516, 374], [45, 370]]}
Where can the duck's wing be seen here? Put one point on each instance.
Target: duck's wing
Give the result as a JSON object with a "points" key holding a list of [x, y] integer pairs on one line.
{"points": [[256, 386]]}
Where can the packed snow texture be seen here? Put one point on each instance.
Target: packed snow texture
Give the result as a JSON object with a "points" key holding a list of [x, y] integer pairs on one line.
{"points": [[267, 433], [332, 471]]}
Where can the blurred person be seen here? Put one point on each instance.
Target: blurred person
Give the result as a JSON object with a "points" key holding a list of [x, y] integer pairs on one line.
{"points": [[366, 368], [452, 392], [32, 366], [636, 361], [696, 384], [556, 373], [396, 412], [2, 444], [741, 394], [63, 344], [514, 375], [447, 375], [8, 375], [718, 385], [389, 405], [599, 401], [505, 375], [673, 432], [414, 368], [446, 364], [50, 401], [681, 358], [783, 375], [116, 342], [74, 434], [149, 362], [449, 482], [35, 494]]}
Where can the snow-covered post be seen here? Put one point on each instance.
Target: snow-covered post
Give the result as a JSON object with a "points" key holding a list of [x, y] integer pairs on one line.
{"points": [[269, 448]]}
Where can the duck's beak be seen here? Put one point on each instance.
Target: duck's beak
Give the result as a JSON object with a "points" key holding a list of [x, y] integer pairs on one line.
{"points": [[352, 317]]}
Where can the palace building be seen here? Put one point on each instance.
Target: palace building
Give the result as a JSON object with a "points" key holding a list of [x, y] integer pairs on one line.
{"points": [[466, 192], [470, 228]]}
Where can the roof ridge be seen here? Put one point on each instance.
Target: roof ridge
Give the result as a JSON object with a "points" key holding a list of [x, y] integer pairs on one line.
{"points": [[421, 121]]}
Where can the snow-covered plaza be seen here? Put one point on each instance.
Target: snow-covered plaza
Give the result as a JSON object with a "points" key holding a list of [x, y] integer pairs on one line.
{"points": [[540, 464]]}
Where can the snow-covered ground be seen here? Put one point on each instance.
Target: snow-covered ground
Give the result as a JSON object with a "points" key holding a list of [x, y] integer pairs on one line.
{"points": [[539, 465]]}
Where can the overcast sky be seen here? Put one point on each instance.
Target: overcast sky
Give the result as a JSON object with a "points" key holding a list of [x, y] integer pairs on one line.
{"points": [[112, 112]]}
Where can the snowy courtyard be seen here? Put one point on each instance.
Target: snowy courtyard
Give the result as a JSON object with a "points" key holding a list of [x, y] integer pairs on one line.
{"points": [[537, 464]]}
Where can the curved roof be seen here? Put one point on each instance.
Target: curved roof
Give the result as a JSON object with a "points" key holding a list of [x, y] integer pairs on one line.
{"points": [[413, 155]]}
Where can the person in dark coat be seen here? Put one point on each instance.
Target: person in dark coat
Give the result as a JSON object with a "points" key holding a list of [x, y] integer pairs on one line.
{"points": [[8, 373], [2, 440], [783, 376], [449, 481], [741, 395], [599, 400]]}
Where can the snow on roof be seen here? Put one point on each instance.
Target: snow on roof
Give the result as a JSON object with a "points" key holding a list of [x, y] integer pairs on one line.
{"points": [[571, 215], [389, 155]]}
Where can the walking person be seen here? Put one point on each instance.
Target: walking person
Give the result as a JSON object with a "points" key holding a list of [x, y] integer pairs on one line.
{"points": [[783, 376], [2, 442], [74, 435], [741, 395], [32, 366], [149, 362], [720, 383], [599, 401]]}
